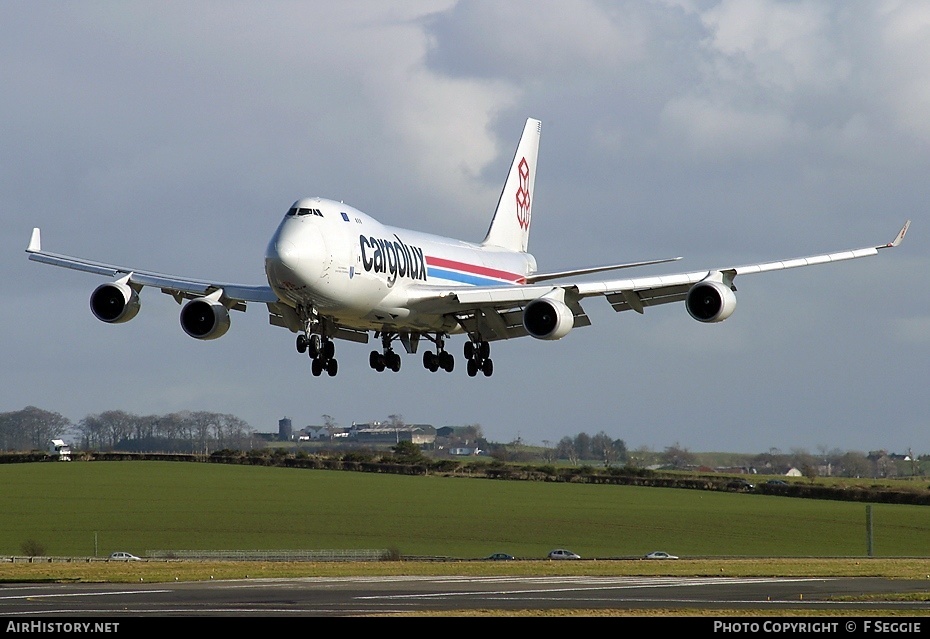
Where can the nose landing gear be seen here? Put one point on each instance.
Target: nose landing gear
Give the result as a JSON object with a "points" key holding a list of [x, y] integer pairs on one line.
{"points": [[322, 351]]}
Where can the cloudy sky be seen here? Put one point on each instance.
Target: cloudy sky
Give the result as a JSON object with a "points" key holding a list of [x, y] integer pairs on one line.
{"points": [[173, 136]]}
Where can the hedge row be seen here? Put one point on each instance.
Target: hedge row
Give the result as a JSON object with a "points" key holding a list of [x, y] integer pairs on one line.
{"points": [[358, 462]]}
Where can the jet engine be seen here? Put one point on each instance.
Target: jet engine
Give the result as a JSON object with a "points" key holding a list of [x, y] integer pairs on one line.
{"points": [[114, 302], [548, 318], [205, 318], [710, 301]]}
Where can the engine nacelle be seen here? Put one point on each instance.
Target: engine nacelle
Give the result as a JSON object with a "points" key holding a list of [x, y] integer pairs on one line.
{"points": [[548, 318], [205, 318], [114, 302], [710, 301]]}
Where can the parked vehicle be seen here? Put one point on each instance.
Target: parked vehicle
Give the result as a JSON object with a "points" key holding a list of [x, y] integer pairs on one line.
{"points": [[658, 554], [740, 484], [561, 553], [124, 556], [500, 556]]}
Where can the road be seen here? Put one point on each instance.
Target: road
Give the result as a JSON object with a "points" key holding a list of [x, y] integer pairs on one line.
{"points": [[383, 596]]}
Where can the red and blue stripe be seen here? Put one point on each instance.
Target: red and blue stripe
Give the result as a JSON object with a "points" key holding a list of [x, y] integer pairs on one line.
{"points": [[472, 274]]}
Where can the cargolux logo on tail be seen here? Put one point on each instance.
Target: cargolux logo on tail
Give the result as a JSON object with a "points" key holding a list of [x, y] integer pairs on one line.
{"points": [[523, 195]]}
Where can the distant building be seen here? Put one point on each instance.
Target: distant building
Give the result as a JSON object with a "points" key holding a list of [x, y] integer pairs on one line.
{"points": [[462, 451], [377, 432], [316, 432], [285, 430]]}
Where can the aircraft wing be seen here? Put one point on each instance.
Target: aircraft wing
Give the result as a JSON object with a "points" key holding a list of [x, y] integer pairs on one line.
{"points": [[496, 312], [235, 295]]}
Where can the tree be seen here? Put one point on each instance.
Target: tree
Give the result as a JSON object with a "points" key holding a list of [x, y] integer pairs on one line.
{"points": [[641, 457], [620, 450], [407, 452], [810, 471], [30, 428], [582, 446], [678, 456], [607, 449], [471, 432], [854, 464], [565, 449]]}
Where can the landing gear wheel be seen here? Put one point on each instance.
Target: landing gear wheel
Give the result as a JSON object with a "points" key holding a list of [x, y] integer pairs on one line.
{"points": [[469, 350], [487, 368], [331, 367], [392, 361], [430, 361], [329, 349], [446, 361], [313, 346], [472, 368], [316, 368], [374, 358], [484, 350], [301, 343]]}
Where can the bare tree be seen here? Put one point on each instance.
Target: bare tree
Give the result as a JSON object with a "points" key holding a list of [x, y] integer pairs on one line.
{"points": [[855, 464], [678, 456], [30, 428], [565, 449]]}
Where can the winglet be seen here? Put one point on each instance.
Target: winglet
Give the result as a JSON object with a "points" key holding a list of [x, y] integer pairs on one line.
{"points": [[35, 242], [900, 236]]}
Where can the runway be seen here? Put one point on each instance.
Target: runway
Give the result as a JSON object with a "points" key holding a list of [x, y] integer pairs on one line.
{"points": [[385, 596]]}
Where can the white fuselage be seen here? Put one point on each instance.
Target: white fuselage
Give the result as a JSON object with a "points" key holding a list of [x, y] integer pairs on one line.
{"points": [[334, 259]]}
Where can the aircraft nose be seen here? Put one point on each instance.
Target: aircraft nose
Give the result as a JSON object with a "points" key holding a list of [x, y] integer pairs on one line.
{"points": [[296, 254], [286, 254]]}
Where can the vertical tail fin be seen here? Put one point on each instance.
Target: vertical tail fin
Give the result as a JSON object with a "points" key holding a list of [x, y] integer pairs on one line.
{"points": [[510, 227]]}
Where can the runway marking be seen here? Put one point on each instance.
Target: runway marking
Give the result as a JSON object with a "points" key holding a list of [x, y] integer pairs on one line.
{"points": [[83, 594], [588, 585]]}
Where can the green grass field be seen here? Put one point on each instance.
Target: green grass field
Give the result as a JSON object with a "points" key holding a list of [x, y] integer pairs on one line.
{"points": [[145, 506]]}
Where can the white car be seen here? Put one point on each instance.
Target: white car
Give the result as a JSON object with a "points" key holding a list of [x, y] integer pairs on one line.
{"points": [[563, 554], [658, 554], [124, 556]]}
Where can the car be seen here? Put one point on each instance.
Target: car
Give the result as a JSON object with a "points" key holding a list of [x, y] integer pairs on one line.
{"points": [[777, 482], [561, 553], [124, 556], [658, 554], [500, 556], [740, 484]]}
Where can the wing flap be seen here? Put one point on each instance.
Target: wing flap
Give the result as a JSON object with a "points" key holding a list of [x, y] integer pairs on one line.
{"points": [[493, 325], [629, 300]]}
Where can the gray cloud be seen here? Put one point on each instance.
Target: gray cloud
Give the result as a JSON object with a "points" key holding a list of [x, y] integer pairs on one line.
{"points": [[173, 137]]}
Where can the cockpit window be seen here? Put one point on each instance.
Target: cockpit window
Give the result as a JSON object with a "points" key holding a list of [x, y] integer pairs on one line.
{"points": [[303, 211]]}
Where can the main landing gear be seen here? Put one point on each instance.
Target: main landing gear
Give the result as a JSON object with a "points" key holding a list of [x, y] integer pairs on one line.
{"points": [[387, 358], [440, 359], [478, 355], [322, 351]]}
